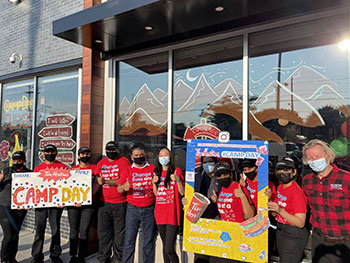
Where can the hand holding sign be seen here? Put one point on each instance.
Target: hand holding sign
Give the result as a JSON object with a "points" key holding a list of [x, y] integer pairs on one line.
{"points": [[127, 185], [155, 179]]}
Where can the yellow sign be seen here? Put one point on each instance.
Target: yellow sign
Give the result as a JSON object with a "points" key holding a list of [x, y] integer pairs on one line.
{"points": [[23, 104]]}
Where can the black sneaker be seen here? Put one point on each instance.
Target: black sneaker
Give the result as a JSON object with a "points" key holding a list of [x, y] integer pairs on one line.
{"points": [[56, 260], [73, 260]]}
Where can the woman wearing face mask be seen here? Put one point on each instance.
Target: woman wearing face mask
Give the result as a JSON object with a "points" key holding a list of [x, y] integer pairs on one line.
{"points": [[234, 203], [290, 211], [168, 187], [80, 217], [11, 219]]}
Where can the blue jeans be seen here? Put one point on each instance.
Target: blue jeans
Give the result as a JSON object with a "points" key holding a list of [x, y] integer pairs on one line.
{"points": [[136, 217]]}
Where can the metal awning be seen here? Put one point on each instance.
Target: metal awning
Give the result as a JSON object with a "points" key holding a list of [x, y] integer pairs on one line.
{"points": [[121, 26]]}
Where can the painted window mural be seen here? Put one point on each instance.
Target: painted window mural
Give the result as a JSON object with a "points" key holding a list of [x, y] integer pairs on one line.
{"points": [[16, 120], [143, 99], [299, 87], [56, 116], [207, 93]]}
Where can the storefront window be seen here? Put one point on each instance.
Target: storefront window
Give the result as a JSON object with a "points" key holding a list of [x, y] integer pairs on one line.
{"points": [[142, 104], [57, 116], [207, 93], [16, 120], [299, 87]]}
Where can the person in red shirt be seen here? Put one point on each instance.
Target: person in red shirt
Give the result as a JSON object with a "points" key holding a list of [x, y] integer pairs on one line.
{"points": [[234, 203], [80, 217], [328, 192], [168, 186], [111, 215], [249, 179], [137, 183], [289, 207], [52, 213]]}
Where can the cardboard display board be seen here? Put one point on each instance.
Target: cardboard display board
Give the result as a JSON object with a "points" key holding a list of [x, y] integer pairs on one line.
{"points": [[51, 188], [246, 241]]}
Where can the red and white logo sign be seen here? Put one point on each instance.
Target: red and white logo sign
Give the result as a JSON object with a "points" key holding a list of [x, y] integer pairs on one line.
{"points": [[203, 130]]}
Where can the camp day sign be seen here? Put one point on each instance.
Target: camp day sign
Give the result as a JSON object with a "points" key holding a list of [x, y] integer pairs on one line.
{"points": [[51, 188], [246, 241]]}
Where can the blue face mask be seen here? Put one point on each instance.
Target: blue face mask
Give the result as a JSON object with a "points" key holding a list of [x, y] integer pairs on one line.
{"points": [[208, 167], [318, 165], [164, 160]]}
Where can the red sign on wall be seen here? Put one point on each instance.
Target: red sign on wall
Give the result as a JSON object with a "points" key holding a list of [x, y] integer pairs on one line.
{"points": [[49, 132]]}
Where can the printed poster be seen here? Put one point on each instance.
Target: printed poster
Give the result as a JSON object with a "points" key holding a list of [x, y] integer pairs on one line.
{"points": [[246, 241], [51, 188]]}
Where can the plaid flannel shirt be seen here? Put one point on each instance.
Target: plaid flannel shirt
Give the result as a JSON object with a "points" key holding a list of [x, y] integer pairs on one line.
{"points": [[329, 200]]}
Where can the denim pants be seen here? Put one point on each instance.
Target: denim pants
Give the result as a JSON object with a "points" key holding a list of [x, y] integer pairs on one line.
{"points": [[136, 217]]}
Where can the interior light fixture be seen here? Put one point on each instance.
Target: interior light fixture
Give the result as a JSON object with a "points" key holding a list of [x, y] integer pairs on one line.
{"points": [[98, 41], [219, 9], [148, 28], [14, 1], [344, 45]]}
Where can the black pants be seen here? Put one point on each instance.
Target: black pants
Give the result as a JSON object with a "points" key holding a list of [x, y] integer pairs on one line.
{"points": [[325, 252], [80, 219], [11, 222], [291, 242], [168, 235], [111, 231], [54, 216]]}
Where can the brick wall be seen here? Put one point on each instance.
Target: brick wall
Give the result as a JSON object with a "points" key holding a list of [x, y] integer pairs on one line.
{"points": [[26, 29]]}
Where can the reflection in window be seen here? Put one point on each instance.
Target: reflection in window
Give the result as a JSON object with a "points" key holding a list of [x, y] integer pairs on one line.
{"points": [[16, 120], [56, 116], [142, 105], [207, 93], [299, 86]]}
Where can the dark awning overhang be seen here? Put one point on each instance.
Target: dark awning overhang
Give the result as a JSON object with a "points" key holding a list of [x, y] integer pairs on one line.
{"points": [[120, 24]]}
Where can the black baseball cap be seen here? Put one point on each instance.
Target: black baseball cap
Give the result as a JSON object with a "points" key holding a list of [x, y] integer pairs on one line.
{"points": [[285, 163], [247, 163], [222, 168], [112, 146], [84, 150], [20, 155], [50, 148]]}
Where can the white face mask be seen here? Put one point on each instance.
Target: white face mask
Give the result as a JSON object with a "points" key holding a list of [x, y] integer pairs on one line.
{"points": [[164, 160], [208, 167], [318, 165]]}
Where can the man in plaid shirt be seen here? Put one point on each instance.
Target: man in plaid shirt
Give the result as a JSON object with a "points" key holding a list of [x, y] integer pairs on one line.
{"points": [[328, 193]]}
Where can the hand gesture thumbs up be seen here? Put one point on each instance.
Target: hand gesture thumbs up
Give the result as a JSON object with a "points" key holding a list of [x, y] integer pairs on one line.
{"points": [[239, 192], [127, 185], [214, 197]]}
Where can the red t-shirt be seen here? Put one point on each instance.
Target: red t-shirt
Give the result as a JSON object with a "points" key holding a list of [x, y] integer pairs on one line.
{"points": [[111, 171], [229, 206], [253, 191], [141, 187], [56, 164], [168, 203], [292, 199]]}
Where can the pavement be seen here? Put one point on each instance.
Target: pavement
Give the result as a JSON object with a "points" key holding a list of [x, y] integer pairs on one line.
{"points": [[26, 238]]}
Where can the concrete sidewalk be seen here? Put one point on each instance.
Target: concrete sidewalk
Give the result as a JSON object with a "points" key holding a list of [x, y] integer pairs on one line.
{"points": [[27, 236]]}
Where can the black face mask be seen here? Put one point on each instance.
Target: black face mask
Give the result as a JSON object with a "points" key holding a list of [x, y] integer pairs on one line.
{"points": [[251, 175], [50, 157], [84, 159], [140, 160], [17, 166], [224, 182], [112, 155], [284, 178]]}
